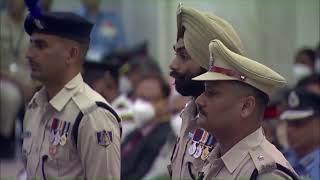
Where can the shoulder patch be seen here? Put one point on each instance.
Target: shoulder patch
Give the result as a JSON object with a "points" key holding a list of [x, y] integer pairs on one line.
{"points": [[104, 138]]}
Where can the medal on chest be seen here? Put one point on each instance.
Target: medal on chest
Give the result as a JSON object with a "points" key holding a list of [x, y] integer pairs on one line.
{"points": [[205, 153], [58, 135], [202, 144], [198, 152], [195, 141], [192, 149]]}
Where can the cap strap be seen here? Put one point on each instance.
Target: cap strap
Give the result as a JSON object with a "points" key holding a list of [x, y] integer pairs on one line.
{"points": [[228, 72]]}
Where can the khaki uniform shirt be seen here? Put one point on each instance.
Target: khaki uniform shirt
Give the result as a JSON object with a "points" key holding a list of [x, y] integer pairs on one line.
{"points": [[252, 152], [184, 166], [92, 158]]}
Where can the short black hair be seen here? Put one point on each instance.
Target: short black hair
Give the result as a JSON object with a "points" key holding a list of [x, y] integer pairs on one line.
{"points": [[309, 52], [97, 70], [262, 98]]}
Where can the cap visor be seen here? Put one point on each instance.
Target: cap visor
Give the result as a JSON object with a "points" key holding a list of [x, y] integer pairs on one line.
{"points": [[213, 76], [296, 114]]}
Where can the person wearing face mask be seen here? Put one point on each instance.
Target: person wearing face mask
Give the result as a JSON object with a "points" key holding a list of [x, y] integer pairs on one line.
{"points": [[142, 147], [195, 30], [304, 64]]}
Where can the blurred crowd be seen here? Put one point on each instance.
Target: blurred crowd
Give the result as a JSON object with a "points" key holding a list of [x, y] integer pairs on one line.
{"points": [[130, 79]]}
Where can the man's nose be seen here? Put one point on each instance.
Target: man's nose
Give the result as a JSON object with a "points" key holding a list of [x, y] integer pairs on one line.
{"points": [[200, 100], [29, 53], [174, 65]]}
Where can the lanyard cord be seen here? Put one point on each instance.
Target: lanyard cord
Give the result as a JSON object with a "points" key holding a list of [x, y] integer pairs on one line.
{"points": [[44, 158]]}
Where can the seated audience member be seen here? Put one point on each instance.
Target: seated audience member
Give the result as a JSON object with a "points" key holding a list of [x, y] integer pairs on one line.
{"points": [[142, 147]]}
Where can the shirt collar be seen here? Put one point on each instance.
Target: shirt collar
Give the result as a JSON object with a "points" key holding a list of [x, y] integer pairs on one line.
{"points": [[65, 94], [238, 152]]}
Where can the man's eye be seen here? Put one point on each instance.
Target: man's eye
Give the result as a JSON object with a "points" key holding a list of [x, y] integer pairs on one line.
{"points": [[40, 45], [181, 55], [210, 93]]}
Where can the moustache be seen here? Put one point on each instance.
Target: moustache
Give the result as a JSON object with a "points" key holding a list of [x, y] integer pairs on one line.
{"points": [[32, 63], [176, 75]]}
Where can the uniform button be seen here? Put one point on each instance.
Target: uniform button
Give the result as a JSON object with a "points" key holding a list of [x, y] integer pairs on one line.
{"points": [[260, 158]]}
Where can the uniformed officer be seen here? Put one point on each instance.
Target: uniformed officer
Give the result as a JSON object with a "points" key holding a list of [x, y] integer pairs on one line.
{"points": [[236, 93], [303, 122], [195, 30], [70, 131]]}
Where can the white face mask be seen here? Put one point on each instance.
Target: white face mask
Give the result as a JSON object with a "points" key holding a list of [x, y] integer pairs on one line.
{"points": [[143, 112], [175, 123], [300, 71]]}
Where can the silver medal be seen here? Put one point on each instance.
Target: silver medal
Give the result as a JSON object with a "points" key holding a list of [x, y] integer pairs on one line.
{"points": [[56, 140], [198, 152], [51, 137], [192, 149]]}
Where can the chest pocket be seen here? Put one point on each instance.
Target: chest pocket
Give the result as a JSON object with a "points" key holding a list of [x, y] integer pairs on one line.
{"points": [[62, 153]]}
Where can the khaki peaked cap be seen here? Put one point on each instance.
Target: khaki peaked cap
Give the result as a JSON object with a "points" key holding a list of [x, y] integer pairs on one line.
{"points": [[227, 65]]}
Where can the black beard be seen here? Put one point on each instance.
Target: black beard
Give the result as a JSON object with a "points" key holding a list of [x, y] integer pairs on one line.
{"points": [[186, 86], [189, 87]]}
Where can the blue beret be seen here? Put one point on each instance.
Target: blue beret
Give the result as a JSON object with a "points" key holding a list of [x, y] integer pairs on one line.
{"points": [[64, 24]]}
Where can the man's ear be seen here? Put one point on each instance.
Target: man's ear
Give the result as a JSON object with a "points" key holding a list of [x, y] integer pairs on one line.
{"points": [[74, 54], [248, 106]]}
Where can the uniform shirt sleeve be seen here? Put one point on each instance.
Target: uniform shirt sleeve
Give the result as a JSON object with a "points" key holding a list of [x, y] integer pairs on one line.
{"points": [[274, 175], [98, 161]]}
